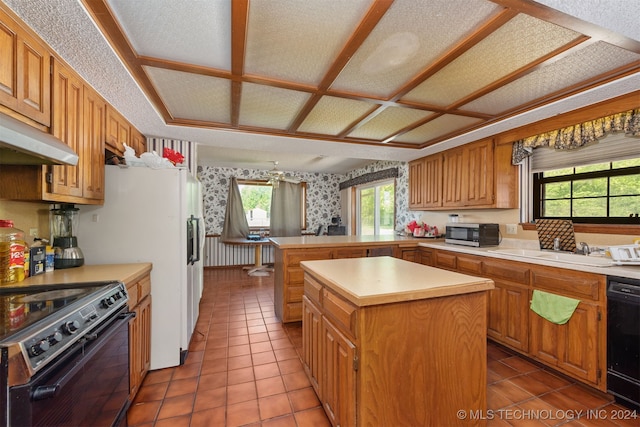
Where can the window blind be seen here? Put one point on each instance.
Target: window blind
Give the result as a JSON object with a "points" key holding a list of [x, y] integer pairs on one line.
{"points": [[613, 147]]}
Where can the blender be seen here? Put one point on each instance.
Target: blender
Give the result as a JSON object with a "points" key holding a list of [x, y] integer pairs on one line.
{"points": [[64, 222]]}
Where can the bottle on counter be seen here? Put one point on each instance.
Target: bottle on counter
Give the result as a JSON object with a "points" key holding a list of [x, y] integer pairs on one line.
{"points": [[12, 246]]}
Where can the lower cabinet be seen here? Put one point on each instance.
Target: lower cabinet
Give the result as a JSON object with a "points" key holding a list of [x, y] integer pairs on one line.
{"points": [[311, 350], [339, 386], [571, 348], [139, 333], [577, 348]]}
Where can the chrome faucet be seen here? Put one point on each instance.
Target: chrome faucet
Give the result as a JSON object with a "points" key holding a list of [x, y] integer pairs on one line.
{"points": [[584, 249], [556, 244]]}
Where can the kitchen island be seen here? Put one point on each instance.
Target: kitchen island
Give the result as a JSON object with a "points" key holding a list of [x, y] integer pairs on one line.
{"points": [[290, 251], [391, 342]]}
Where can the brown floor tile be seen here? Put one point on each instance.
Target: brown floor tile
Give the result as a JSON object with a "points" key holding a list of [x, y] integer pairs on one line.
{"points": [[587, 398], [241, 392], [510, 390], [295, 381], [209, 417], [239, 362], [502, 370], [180, 387], [519, 364], [142, 413], [151, 392], [532, 386], [549, 379], [263, 358], [274, 406], [239, 376], [285, 421], [261, 347], [186, 371], [159, 376], [290, 366], [212, 398], [243, 413], [175, 406], [211, 381], [270, 386], [563, 401], [304, 398], [312, 418], [181, 421], [266, 371]]}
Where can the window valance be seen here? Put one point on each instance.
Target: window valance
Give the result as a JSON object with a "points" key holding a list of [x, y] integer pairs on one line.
{"points": [[579, 135], [370, 177]]}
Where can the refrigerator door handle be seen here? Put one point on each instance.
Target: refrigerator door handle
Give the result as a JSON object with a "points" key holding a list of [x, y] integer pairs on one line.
{"points": [[196, 258]]}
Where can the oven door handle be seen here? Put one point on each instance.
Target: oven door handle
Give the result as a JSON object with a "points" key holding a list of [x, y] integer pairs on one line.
{"points": [[51, 390]]}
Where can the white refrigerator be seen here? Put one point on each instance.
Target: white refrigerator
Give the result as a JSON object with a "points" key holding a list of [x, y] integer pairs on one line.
{"points": [[156, 216]]}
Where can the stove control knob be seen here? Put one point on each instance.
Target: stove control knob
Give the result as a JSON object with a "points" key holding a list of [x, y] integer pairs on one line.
{"points": [[71, 327], [54, 338], [39, 348], [108, 302]]}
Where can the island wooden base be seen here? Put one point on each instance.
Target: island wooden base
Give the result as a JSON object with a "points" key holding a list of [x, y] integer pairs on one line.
{"points": [[419, 363]]}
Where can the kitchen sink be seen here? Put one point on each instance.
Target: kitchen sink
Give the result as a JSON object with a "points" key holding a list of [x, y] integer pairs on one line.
{"points": [[566, 257]]}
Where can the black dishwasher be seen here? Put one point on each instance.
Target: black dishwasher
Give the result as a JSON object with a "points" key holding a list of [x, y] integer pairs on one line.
{"points": [[623, 339]]}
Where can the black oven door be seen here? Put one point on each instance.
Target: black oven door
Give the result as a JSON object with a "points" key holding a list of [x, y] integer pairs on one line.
{"points": [[87, 386]]}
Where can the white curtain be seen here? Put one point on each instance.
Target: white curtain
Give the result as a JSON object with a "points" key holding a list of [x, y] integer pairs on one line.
{"points": [[235, 220], [286, 210]]}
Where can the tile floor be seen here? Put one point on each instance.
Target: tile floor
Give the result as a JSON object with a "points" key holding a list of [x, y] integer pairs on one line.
{"points": [[243, 369]]}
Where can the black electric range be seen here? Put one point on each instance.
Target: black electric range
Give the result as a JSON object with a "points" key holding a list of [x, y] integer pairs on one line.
{"points": [[47, 332]]}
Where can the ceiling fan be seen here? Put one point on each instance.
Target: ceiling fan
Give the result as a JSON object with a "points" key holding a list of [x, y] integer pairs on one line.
{"points": [[275, 176]]}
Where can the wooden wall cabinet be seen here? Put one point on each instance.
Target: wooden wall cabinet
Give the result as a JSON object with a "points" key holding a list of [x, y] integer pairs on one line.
{"points": [[118, 132], [577, 348], [25, 86], [139, 332], [425, 182], [78, 115], [475, 175], [138, 142], [38, 88], [67, 125]]}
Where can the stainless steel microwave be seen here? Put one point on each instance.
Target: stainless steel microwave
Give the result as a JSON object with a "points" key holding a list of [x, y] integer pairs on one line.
{"points": [[472, 234]]}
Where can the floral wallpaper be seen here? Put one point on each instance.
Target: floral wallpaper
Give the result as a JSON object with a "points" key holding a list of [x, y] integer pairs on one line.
{"points": [[323, 194]]}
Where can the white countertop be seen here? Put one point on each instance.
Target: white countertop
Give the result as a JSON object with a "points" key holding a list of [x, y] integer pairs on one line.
{"points": [[622, 271], [382, 280]]}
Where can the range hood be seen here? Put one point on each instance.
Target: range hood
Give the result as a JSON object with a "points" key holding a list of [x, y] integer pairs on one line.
{"points": [[21, 144]]}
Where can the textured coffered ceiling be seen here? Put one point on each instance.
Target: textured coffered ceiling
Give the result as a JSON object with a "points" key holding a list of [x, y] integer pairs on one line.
{"points": [[343, 79]]}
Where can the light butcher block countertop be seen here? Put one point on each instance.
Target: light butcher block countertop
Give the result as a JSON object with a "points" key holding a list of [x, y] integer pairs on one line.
{"points": [[90, 273], [383, 280], [330, 241]]}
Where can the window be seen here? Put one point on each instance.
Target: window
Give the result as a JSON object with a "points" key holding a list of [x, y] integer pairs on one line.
{"points": [[256, 201], [601, 193], [376, 209]]}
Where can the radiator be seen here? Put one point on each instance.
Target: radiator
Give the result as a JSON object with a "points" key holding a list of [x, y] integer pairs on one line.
{"points": [[218, 254]]}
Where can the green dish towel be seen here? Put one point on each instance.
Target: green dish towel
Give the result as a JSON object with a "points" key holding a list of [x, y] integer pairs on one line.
{"points": [[554, 308]]}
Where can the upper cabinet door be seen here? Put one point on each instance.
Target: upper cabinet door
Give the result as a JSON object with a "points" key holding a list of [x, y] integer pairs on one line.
{"points": [[24, 72], [67, 126]]}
